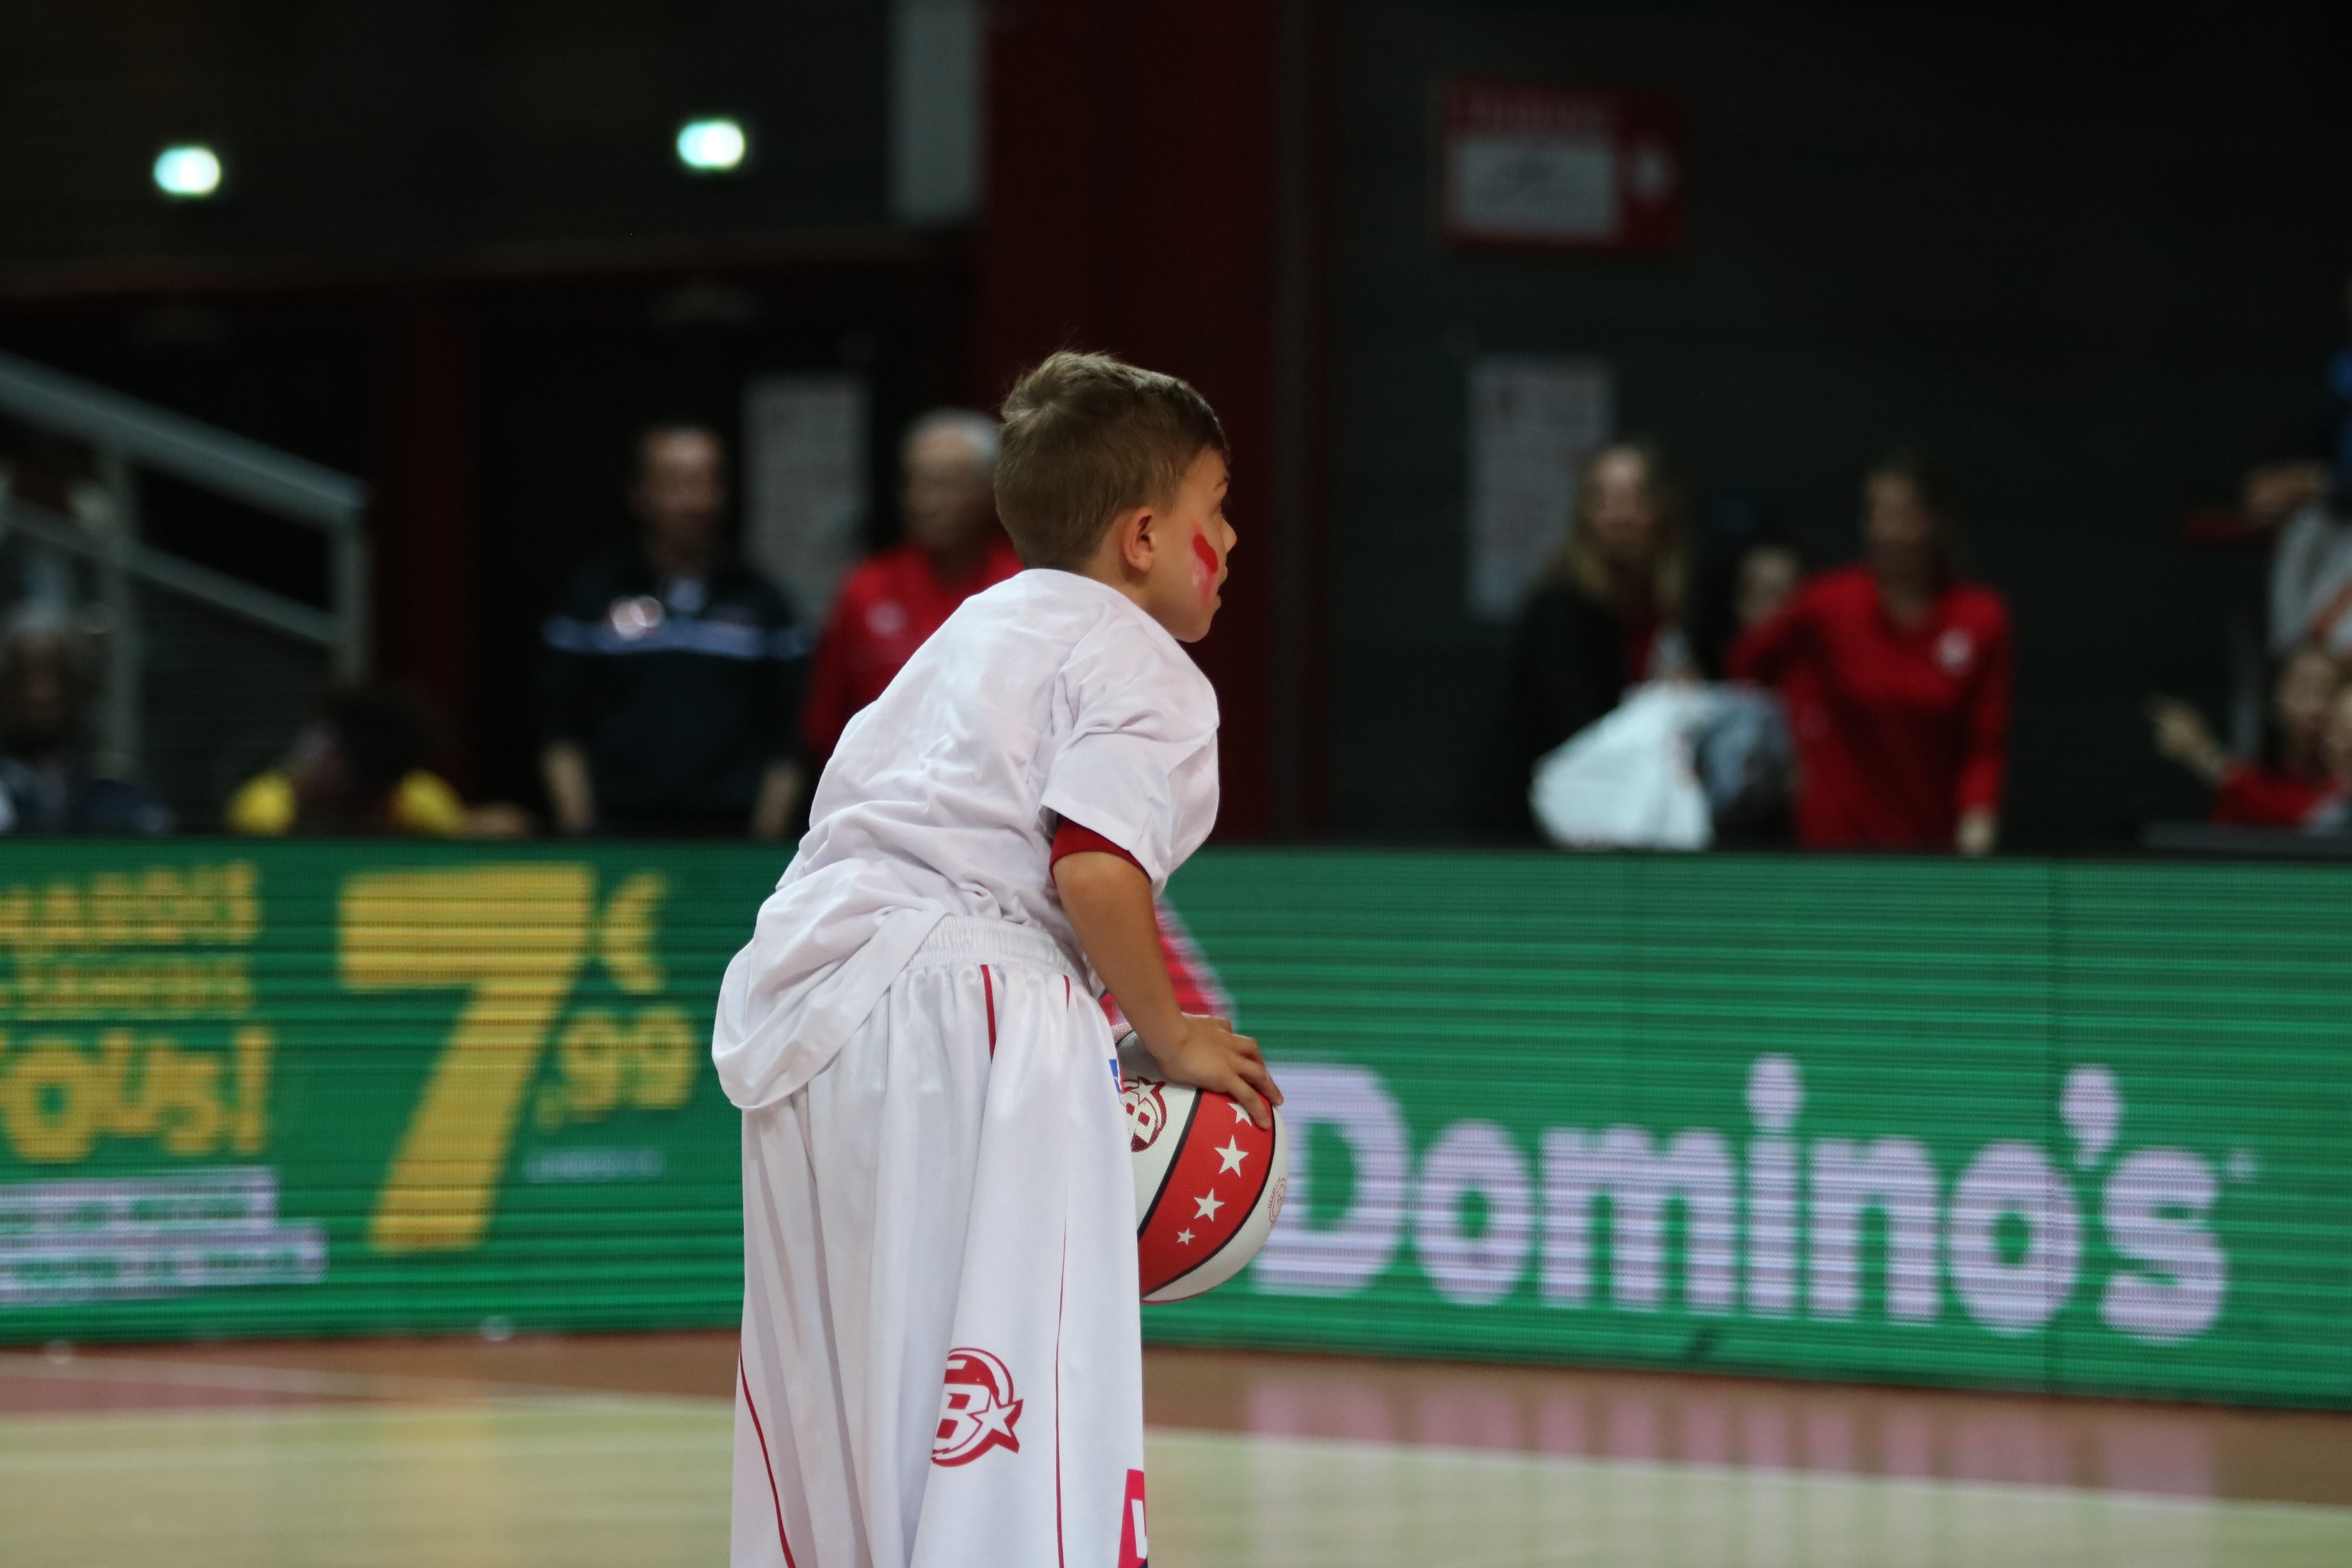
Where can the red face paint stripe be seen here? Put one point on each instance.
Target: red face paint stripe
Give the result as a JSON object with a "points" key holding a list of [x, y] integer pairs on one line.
{"points": [[1206, 554], [766, 1463], [988, 994]]}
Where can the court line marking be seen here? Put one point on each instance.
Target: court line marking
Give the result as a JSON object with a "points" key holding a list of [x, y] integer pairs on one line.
{"points": [[192, 1438], [412, 1396], [246, 1377], [1341, 1448], [707, 1425]]}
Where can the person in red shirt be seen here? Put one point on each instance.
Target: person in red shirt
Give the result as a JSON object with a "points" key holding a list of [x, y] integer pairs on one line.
{"points": [[1903, 672], [894, 600], [2289, 785]]}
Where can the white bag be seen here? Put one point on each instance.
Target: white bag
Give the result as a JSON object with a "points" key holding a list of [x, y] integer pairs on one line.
{"points": [[1625, 781]]}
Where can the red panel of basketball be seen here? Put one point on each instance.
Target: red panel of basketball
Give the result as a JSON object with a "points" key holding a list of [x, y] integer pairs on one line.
{"points": [[1219, 1172]]}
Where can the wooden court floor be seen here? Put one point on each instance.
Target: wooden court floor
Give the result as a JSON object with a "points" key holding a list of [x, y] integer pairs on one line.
{"points": [[612, 1450]]}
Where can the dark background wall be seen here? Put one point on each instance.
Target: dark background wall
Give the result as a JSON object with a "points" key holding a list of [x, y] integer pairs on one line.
{"points": [[466, 227], [2092, 254], [434, 133], [455, 253]]}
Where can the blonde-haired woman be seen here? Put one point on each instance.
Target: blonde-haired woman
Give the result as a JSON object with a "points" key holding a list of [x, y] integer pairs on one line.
{"points": [[1605, 615]]}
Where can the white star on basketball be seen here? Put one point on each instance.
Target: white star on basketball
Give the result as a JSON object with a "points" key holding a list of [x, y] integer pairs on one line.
{"points": [[1239, 1114], [1184, 1239], [1209, 1206], [1232, 1155]]}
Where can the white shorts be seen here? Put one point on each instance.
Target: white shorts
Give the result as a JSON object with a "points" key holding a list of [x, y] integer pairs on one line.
{"points": [[942, 1356]]}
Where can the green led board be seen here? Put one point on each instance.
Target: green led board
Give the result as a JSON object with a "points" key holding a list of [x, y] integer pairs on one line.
{"points": [[2063, 1126], [2077, 1127], [300, 1088]]}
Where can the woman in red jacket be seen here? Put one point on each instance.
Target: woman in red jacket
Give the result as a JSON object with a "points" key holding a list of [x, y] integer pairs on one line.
{"points": [[1898, 678]]}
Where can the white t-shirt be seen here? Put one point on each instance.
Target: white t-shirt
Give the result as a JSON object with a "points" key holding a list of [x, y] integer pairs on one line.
{"points": [[1048, 696]]}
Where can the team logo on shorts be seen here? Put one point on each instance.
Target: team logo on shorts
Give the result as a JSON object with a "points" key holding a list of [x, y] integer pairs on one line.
{"points": [[1146, 1113], [977, 1409]]}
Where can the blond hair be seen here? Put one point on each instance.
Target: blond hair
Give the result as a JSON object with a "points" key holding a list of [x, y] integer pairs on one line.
{"points": [[1578, 560], [1086, 437]]}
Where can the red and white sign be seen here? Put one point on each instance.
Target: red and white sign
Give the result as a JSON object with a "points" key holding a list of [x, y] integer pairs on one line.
{"points": [[1566, 167]]}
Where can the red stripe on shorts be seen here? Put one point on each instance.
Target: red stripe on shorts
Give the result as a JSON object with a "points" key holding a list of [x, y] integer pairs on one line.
{"points": [[766, 1463], [1061, 1558], [988, 994]]}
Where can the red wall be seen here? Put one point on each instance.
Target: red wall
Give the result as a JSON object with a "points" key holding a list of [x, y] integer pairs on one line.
{"points": [[1129, 209], [422, 515]]}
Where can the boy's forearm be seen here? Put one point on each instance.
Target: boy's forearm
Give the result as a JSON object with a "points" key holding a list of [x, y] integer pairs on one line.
{"points": [[1108, 901]]}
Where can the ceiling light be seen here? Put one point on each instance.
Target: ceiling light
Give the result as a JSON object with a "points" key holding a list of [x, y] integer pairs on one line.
{"points": [[187, 172], [710, 146]]}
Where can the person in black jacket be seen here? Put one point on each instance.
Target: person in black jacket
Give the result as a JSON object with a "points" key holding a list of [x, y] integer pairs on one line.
{"points": [[674, 669], [1605, 615]]}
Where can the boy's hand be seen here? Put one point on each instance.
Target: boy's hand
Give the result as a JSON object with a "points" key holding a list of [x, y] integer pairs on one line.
{"points": [[1207, 1054], [1108, 900]]}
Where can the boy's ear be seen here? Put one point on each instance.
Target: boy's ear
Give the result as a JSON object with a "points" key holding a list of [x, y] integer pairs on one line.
{"points": [[1136, 543]]}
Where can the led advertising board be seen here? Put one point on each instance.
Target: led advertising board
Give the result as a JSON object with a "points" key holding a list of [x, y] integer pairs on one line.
{"points": [[2065, 1126]]}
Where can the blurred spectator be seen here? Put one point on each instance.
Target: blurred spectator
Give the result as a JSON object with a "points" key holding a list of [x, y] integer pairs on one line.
{"points": [[47, 781], [673, 668], [1742, 591], [2289, 784], [1898, 676], [2308, 498], [1605, 615], [895, 599], [359, 768], [2336, 754], [1740, 749], [51, 472], [1768, 575]]}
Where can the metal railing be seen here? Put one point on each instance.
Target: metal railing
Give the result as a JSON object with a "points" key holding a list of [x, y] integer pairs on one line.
{"points": [[128, 436]]}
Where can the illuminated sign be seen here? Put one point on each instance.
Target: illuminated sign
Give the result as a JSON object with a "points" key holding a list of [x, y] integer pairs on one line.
{"points": [[307, 1087], [2065, 1126], [1531, 164]]}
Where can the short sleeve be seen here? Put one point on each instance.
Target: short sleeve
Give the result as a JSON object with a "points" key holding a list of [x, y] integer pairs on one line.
{"points": [[1078, 838], [1137, 761]]}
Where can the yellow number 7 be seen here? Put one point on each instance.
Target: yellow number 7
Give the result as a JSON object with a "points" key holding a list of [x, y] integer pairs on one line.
{"points": [[515, 934]]}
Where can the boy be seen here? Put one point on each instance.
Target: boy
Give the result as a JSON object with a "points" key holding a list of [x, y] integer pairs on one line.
{"points": [[941, 1358]]}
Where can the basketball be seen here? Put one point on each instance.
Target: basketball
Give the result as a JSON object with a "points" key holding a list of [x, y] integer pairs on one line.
{"points": [[1208, 1183]]}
